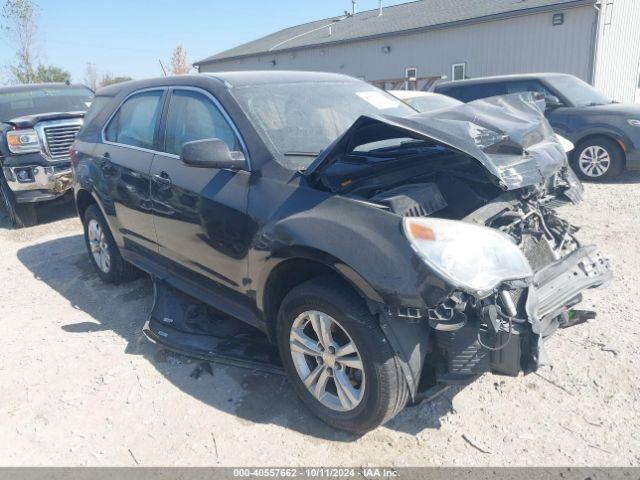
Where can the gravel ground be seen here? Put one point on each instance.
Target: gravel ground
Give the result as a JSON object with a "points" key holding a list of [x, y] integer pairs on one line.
{"points": [[81, 386]]}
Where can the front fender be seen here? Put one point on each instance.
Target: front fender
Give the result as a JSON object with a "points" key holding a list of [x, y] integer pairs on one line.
{"points": [[285, 254], [362, 243], [617, 134]]}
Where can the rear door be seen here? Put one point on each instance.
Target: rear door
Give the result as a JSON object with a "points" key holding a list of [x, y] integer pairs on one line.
{"points": [[200, 213], [124, 162]]}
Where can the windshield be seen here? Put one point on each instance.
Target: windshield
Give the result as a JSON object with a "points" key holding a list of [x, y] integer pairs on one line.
{"points": [[431, 103], [298, 120], [579, 93], [19, 103]]}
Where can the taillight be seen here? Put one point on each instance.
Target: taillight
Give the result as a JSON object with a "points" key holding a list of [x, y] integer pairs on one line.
{"points": [[72, 156]]}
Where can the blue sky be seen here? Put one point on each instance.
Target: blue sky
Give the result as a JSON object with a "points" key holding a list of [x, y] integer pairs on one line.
{"points": [[128, 37]]}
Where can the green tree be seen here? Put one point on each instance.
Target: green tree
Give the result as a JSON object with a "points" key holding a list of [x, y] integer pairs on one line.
{"points": [[19, 23], [51, 73], [108, 79]]}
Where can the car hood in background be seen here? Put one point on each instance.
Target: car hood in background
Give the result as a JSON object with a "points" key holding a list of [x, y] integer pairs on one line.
{"points": [[29, 121], [632, 111], [508, 135]]}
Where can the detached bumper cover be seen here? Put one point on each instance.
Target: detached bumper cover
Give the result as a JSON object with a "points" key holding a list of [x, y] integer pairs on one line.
{"points": [[519, 345], [556, 285]]}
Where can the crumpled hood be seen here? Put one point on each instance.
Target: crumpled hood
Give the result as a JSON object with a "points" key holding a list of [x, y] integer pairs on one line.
{"points": [[29, 121], [508, 135]]}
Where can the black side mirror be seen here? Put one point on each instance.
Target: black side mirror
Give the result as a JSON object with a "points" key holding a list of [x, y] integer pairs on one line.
{"points": [[553, 101], [211, 153]]}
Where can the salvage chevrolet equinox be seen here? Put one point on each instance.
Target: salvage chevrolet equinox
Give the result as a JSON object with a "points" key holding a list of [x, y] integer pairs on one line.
{"points": [[380, 249]]}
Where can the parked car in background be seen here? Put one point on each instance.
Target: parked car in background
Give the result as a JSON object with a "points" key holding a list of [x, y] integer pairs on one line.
{"points": [[425, 101], [38, 124], [380, 249], [606, 133]]}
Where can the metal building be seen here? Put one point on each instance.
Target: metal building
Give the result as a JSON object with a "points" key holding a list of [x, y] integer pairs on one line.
{"points": [[597, 40]]}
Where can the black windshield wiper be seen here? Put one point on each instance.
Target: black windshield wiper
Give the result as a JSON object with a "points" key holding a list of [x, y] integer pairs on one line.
{"points": [[301, 154]]}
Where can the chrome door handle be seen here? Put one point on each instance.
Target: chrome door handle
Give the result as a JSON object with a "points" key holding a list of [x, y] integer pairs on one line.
{"points": [[162, 178]]}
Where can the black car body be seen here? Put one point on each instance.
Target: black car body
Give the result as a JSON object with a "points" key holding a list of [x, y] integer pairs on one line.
{"points": [[606, 133], [38, 124], [261, 225]]}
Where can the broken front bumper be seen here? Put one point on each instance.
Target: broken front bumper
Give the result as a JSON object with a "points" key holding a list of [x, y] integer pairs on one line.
{"points": [[487, 342], [557, 284]]}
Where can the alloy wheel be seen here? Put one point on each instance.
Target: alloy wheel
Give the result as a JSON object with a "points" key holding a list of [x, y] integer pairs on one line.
{"points": [[98, 246], [327, 361], [594, 161]]}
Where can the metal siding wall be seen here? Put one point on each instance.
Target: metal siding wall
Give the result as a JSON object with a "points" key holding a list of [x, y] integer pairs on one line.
{"points": [[516, 45], [618, 59]]}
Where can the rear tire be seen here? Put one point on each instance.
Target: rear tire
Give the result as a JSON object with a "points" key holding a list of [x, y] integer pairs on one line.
{"points": [[598, 160], [103, 251], [20, 214], [375, 393]]}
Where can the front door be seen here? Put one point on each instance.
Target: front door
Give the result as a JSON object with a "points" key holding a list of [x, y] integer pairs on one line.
{"points": [[124, 162], [200, 213]]}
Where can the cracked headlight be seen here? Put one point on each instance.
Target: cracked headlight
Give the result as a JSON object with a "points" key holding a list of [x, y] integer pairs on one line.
{"points": [[23, 141], [473, 258]]}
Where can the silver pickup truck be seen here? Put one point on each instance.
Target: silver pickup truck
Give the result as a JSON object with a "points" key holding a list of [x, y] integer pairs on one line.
{"points": [[38, 124]]}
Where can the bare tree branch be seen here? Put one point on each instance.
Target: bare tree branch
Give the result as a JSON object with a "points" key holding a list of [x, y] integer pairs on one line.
{"points": [[179, 63], [91, 76]]}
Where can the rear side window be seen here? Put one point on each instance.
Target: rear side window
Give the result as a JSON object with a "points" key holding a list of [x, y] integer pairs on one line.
{"points": [[94, 119], [135, 122], [469, 93], [192, 116], [98, 104]]}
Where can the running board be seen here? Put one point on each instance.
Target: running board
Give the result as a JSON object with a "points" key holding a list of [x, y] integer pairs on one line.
{"points": [[185, 325]]}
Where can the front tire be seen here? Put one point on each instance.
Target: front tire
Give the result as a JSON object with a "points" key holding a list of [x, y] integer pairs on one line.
{"points": [[103, 251], [20, 214], [337, 358], [599, 159]]}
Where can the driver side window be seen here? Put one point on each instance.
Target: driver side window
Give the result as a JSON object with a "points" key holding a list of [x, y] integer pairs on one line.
{"points": [[193, 116]]}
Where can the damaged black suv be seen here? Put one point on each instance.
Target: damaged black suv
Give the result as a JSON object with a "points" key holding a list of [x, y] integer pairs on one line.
{"points": [[381, 250]]}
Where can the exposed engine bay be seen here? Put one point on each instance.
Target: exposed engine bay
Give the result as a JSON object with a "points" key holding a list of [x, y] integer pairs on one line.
{"points": [[505, 331], [511, 184]]}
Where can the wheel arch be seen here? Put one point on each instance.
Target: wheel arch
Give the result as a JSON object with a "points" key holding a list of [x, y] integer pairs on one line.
{"points": [[294, 265], [84, 199]]}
